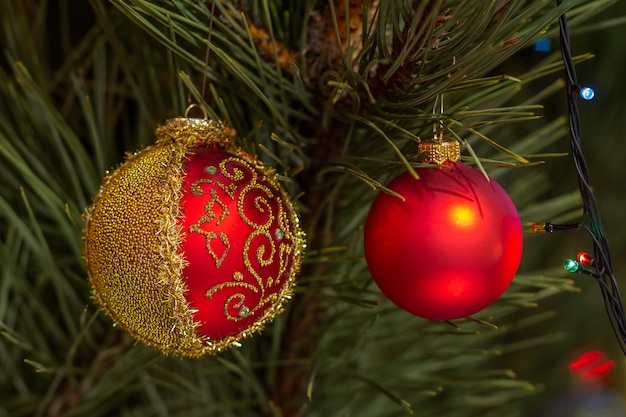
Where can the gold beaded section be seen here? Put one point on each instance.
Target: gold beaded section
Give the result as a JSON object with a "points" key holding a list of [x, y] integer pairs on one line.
{"points": [[440, 152], [131, 250]]}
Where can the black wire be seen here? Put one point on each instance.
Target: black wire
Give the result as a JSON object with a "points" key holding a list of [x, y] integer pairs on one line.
{"points": [[602, 268]]}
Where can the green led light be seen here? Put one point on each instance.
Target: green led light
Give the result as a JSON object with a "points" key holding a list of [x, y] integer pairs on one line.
{"points": [[571, 265]]}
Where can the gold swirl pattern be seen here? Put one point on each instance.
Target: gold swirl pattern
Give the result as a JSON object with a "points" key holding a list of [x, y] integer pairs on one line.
{"points": [[269, 242], [207, 218]]}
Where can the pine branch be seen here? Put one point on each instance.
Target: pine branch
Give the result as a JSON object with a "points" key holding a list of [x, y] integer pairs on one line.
{"points": [[339, 119]]}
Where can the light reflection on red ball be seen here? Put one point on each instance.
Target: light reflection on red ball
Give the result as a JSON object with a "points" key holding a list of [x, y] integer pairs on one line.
{"points": [[450, 249]]}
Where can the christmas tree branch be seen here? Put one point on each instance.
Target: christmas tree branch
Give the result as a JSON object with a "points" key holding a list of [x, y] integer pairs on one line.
{"points": [[71, 105]]}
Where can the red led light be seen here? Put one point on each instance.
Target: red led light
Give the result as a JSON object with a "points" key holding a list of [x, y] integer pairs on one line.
{"points": [[599, 371], [586, 359], [584, 258], [592, 366]]}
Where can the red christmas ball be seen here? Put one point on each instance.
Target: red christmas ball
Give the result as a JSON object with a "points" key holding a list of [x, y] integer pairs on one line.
{"points": [[449, 248]]}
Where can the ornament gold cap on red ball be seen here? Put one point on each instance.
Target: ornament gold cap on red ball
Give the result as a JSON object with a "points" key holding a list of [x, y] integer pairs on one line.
{"points": [[191, 244], [451, 245]]}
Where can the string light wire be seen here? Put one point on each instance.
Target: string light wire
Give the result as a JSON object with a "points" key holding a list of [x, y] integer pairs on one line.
{"points": [[602, 268]]}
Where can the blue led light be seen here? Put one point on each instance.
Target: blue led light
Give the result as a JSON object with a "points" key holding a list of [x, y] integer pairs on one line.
{"points": [[542, 45], [587, 93]]}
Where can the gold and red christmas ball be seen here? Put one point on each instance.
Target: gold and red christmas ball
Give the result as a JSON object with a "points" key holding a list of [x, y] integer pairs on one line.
{"points": [[451, 245], [192, 244]]}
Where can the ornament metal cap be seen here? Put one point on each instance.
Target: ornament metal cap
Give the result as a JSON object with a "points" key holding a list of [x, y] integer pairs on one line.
{"points": [[439, 152]]}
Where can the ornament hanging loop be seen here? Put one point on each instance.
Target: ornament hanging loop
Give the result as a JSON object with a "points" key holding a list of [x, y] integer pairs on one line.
{"points": [[197, 107], [439, 150], [438, 125]]}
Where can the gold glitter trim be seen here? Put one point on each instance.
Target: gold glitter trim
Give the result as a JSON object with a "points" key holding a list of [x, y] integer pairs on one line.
{"points": [[187, 133], [440, 152]]}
